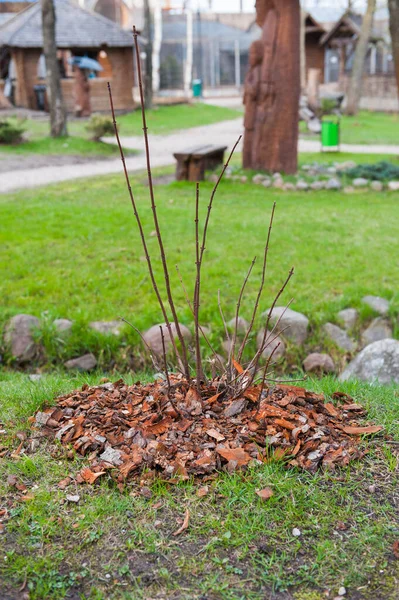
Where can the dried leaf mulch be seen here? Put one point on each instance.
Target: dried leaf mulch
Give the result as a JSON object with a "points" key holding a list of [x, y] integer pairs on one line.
{"points": [[177, 433]]}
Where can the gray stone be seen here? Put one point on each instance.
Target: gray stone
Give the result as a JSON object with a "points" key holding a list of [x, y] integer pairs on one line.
{"points": [[275, 345], [278, 183], [258, 178], [349, 317], [378, 304], [377, 186], [332, 170], [153, 337], [289, 187], [306, 168], [393, 186], [339, 337], [302, 186], [377, 362], [106, 327], [333, 184], [244, 179], [87, 362], [35, 377], [63, 325], [242, 325], [345, 166], [319, 363], [19, 339], [360, 182], [317, 185], [296, 323], [213, 178], [112, 456], [267, 183], [276, 176], [379, 329]]}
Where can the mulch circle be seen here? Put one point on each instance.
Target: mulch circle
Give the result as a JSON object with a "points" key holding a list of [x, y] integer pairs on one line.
{"points": [[177, 433]]}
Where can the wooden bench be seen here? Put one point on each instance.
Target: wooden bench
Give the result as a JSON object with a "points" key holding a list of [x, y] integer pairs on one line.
{"points": [[193, 162]]}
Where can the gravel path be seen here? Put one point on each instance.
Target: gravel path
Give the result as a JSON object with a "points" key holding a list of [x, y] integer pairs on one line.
{"points": [[162, 149]]}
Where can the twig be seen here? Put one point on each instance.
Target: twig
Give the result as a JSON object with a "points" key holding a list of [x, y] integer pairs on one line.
{"points": [[169, 396], [199, 326], [223, 320], [198, 363], [266, 252], [155, 216], [156, 367], [265, 373], [140, 226], [233, 345], [258, 354]]}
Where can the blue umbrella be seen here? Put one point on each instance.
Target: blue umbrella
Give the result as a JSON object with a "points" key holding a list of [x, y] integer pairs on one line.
{"points": [[84, 62]]}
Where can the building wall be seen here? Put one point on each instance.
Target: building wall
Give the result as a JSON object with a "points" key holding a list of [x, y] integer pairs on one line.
{"points": [[314, 54], [122, 81]]}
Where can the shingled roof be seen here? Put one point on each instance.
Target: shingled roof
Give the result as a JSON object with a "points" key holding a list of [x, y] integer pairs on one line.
{"points": [[75, 28]]}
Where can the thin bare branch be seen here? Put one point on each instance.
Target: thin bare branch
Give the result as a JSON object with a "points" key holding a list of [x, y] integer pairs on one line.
{"points": [[265, 373], [223, 320], [196, 303], [155, 364], [140, 226], [165, 366], [266, 252], [238, 306], [155, 215]]}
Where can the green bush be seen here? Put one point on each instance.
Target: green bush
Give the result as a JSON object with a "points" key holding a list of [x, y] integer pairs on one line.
{"points": [[381, 171], [99, 126], [11, 131]]}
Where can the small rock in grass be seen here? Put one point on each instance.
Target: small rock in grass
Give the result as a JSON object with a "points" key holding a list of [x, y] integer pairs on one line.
{"points": [[289, 187], [35, 377], [377, 186], [295, 324], [267, 183], [153, 337], [276, 175], [63, 325], [393, 186], [106, 327], [274, 345], [319, 363], [341, 591], [372, 488], [244, 179], [345, 166], [278, 184], [333, 184], [360, 182], [19, 337], [73, 498], [317, 185], [349, 317], [87, 362], [377, 362], [339, 337], [213, 178], [242, 325], [379, 329], [302, 186], [332, 170], [296, 532], [378, 304]]}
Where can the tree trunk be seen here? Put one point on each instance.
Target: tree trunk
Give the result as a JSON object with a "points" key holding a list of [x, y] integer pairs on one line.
{"points": [[394, 28], [355, 84], [148, 34], [272, 89], [58, 118]]}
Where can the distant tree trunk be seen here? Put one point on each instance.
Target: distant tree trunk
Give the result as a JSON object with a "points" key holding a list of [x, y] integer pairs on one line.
{"points": [[148, 34], [394, 28], [355, 84], [58, 118]]}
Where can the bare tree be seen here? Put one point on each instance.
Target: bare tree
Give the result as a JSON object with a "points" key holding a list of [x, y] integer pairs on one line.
{"points": [[58, 117], [394, 28], [355, 84], [148, 34]]}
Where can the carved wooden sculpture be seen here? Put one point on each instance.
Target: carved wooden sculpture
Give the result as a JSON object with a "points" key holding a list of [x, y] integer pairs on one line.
{"points": [[272, 88]]}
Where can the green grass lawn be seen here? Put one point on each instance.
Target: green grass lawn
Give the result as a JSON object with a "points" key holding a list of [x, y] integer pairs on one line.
{"points": [[366, 128], [115, 545], [161, 120], [73, 251]]}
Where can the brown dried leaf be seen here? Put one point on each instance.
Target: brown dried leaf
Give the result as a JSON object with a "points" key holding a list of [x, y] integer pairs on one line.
{"points": [[184, 525], [265, 494], [238, 367], [362, 430], [237, 454], [203, 491], [213, 433], [64, 483], [89, 477]]}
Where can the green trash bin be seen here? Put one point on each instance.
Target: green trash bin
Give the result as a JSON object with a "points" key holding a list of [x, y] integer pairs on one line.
{"points": [[330, 134], [197, 88]]}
